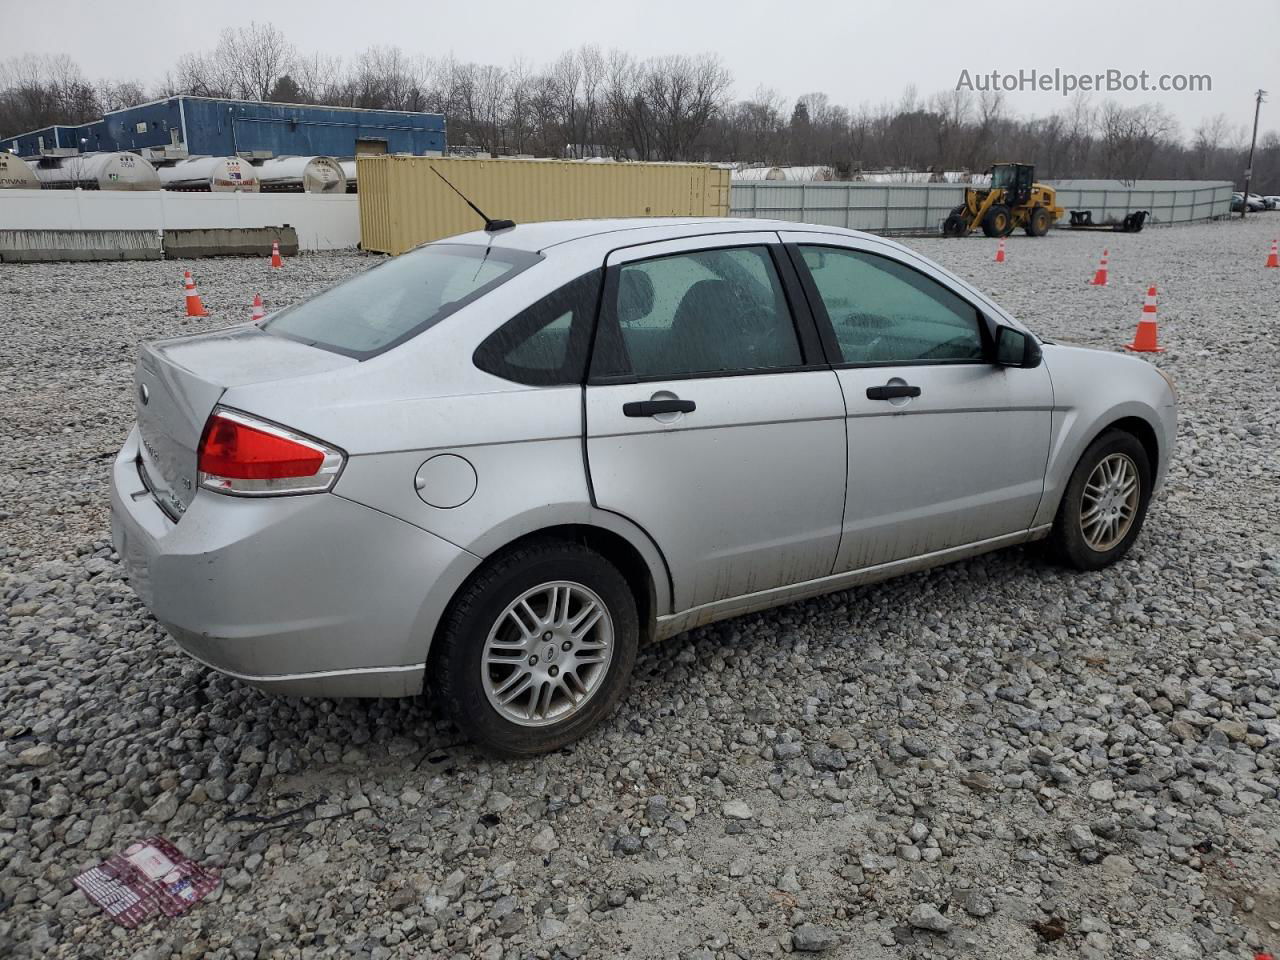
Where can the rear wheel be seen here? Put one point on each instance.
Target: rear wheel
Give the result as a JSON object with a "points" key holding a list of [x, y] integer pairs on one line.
{"points": [[537, 649], [1105, 503], [1039, 222], [998, 221]]}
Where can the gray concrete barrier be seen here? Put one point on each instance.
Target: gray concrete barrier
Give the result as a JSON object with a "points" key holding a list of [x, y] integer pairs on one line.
{"points": [[35, 246], [229, 242]]}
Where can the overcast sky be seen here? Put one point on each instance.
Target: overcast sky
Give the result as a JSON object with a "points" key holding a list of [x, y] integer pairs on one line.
{"points": [[855, 52]]}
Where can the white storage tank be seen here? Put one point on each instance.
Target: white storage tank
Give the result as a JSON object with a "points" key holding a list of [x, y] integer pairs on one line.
{"points": [[757, 173], [349, 171], [815, 173], [97, 171], [210, 175], [15, 174], [301, 175]]}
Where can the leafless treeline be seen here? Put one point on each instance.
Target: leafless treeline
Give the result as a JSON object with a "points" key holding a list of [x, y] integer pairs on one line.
{"points": [[594, 102]]}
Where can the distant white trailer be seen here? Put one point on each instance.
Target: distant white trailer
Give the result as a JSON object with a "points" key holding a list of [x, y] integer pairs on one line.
{"points": [[210, 175], [16, 174], [97, 171], [301, 175]]}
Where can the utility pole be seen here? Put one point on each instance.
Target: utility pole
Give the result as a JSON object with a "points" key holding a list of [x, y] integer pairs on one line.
{"points": [[1248, 171]]}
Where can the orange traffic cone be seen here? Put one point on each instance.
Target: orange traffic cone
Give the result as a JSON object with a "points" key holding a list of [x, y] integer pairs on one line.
{"points": [[195, 307], [1274, 259], [276, 262], [259, 311], [1144, 341], [1100, 278], [1000, 251]]}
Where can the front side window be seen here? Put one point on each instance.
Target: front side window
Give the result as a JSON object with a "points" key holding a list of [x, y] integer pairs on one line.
{"points": [[705, 312], [380, 308], [883, 311]]}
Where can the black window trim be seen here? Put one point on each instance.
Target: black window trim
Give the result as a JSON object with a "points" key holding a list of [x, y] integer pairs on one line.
{"points": [[826, 330], [608, 346], [520, 260]]}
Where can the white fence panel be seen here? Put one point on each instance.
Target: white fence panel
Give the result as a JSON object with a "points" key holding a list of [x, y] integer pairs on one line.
{"points": [[322, 222], [921, 207]]}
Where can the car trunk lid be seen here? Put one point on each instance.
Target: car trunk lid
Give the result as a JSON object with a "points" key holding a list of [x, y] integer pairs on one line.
{"points": [[178, 382]]}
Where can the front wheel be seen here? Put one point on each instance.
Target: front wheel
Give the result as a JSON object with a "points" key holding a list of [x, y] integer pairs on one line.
{"points": [[1104, 504], [537, 649], [998, 221]]}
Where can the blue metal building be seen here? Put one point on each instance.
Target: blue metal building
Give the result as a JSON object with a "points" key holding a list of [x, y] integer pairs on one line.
{"points": [[228, 127], [46, 138]]}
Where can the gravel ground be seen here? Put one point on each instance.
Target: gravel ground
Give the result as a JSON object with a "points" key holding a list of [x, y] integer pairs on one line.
{"points": [[995, 758]]}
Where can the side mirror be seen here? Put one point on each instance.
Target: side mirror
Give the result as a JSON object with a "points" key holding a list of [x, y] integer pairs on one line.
{"points": [[1016, 349]]}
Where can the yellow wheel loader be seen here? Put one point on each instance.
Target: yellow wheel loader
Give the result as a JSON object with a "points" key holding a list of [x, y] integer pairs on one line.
{"points": [[1013, 200]]}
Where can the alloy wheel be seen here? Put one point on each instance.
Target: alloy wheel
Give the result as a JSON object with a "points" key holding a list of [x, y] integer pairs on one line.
{"points": [[547, 653], [1110, 502]]}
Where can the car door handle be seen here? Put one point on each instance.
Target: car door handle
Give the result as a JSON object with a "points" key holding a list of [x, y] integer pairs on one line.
{"points": [[648, 408], [892, 390]]}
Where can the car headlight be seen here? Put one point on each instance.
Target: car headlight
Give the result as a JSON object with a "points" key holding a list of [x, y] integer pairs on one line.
{"points": [[1169, 380]]}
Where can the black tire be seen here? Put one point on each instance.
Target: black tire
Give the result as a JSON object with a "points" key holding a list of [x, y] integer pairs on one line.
{"points": [[997, 221], [457, 657], [1039, 222], [955, 225], [1067, 542]]}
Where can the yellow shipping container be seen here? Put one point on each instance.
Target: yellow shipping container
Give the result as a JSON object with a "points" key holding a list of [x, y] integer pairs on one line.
{"points": [[403, 204]]}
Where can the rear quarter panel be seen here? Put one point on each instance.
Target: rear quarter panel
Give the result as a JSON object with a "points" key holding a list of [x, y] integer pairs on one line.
{"points": [[393, 412]]}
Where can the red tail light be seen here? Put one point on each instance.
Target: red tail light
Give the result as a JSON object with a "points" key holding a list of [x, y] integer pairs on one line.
{"points": [[243, 455]]}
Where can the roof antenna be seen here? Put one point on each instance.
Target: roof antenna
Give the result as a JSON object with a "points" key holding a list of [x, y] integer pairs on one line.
{"points": [[490, 226]]}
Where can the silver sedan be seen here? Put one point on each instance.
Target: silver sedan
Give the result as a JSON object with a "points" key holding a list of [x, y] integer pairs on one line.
{"points": [[496, 465]]}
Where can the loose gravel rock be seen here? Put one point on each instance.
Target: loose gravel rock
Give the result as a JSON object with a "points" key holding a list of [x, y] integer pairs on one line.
{"points": [[1016, 758]]}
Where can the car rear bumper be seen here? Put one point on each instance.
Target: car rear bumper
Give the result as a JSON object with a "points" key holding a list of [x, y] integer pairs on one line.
{"points": [[308, 595]]}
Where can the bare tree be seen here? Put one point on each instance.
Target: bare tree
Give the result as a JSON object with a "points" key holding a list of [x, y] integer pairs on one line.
{"points": [[518, 120], [492, 92], [1130, 137], [385, 78], [254, 57], [631, 121], [983, 146], [564, 88], [319, 78], [117, 96], [754, 130], [36, 91], [953, 109], [203, 75], [683, 94]]}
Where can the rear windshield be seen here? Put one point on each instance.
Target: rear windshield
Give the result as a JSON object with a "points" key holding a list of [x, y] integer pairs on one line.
{"points": [[398, 299]]}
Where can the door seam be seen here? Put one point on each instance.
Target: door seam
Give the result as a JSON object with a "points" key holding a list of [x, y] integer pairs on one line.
{"points": [[844, 503]]}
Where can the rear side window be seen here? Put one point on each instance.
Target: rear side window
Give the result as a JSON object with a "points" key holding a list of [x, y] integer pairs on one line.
{"points": [[545, 344], [705, 312], [394, 301]]}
